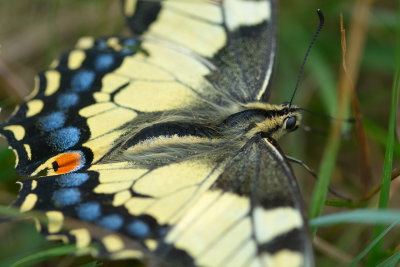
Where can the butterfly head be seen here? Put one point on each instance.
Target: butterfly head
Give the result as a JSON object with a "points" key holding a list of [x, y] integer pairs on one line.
{"points": [[276, 120], [287, 119], [291, 118]]}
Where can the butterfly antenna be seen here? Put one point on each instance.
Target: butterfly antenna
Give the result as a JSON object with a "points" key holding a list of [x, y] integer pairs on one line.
{"points": [[321, 23]]}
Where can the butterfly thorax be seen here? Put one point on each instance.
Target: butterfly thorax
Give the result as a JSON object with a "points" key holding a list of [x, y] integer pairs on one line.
{"points": [[193, 136]]}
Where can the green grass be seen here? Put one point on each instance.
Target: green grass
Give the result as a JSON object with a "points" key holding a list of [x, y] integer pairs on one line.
{"points": [[340, 158], [39, 30], [376, 250], [359, 216], [48, 253], [391, 261], [373, 245]]}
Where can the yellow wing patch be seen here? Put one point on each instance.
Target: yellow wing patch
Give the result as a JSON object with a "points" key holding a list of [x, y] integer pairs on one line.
{"points": [[17, 130], [275, 222], [113, 243], [85, 42], [102, 122], [35, 106], [284, 257], [56, 219], [117, 172], [82, 237], [246, 13], [53, 82], [76, 59], [161, 96], [29, 202], [189, 29], [173, 188]]}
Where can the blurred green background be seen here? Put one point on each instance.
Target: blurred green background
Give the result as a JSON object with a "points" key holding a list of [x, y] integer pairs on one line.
{"points": [[34, 32]]}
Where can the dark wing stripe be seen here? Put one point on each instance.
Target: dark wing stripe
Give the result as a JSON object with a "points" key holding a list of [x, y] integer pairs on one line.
{"points": [[291, 240], [146, 13], [170, 129]]}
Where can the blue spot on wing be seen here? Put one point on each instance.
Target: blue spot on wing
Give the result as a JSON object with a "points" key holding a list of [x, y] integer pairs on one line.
{"points": [[101, 44], [64, 138], [89, 211], [162, 231], [67, 100], [52, 121], [130, 42], [66, 196], [103, 62], [82, 80], [72, 179], [138, 229], [112, 222]]}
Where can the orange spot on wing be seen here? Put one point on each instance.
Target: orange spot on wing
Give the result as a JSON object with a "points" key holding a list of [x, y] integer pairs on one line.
{"points": [[67, 162]]}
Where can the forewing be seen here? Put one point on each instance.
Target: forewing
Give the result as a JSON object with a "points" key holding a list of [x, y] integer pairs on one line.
{"points": [[237, 36], [100, 94]]}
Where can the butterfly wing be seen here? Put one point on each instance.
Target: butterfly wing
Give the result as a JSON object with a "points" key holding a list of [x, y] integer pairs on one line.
{"points": [[98, 97], [68, 121], [85, 104], [251, 216], [237, 36], [242, 211]]}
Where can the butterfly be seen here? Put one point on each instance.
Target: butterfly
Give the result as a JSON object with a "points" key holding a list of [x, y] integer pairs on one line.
{"points": [[162, 145]]}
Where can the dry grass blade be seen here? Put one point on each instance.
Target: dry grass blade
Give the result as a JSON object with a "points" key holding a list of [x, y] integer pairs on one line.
{"points": [[16, 87], [357, 37], [325, 247]]}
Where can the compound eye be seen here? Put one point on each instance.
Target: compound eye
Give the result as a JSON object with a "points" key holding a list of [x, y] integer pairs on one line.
{"points": [[290, 123]]}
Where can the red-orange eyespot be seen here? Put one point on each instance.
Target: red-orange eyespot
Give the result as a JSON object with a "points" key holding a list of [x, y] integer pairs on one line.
{"points": [[68, 162]]}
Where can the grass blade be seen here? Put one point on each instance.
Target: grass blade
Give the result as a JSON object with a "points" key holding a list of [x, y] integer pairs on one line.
{"points": [[51, 252], [362, 216], [391, 261], [373, 243], [387, 167]]}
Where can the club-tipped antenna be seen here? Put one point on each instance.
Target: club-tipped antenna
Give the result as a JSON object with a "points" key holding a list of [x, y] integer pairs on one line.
{"points": [[321, 23]]}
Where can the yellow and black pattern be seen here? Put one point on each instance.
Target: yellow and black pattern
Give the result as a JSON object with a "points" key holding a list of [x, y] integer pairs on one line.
{"points": [[237, 36], [157, 146]]}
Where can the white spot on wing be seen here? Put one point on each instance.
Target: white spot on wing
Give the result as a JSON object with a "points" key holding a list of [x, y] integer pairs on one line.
{"points": [[283, 258], [272, 223], [246, 13]]}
